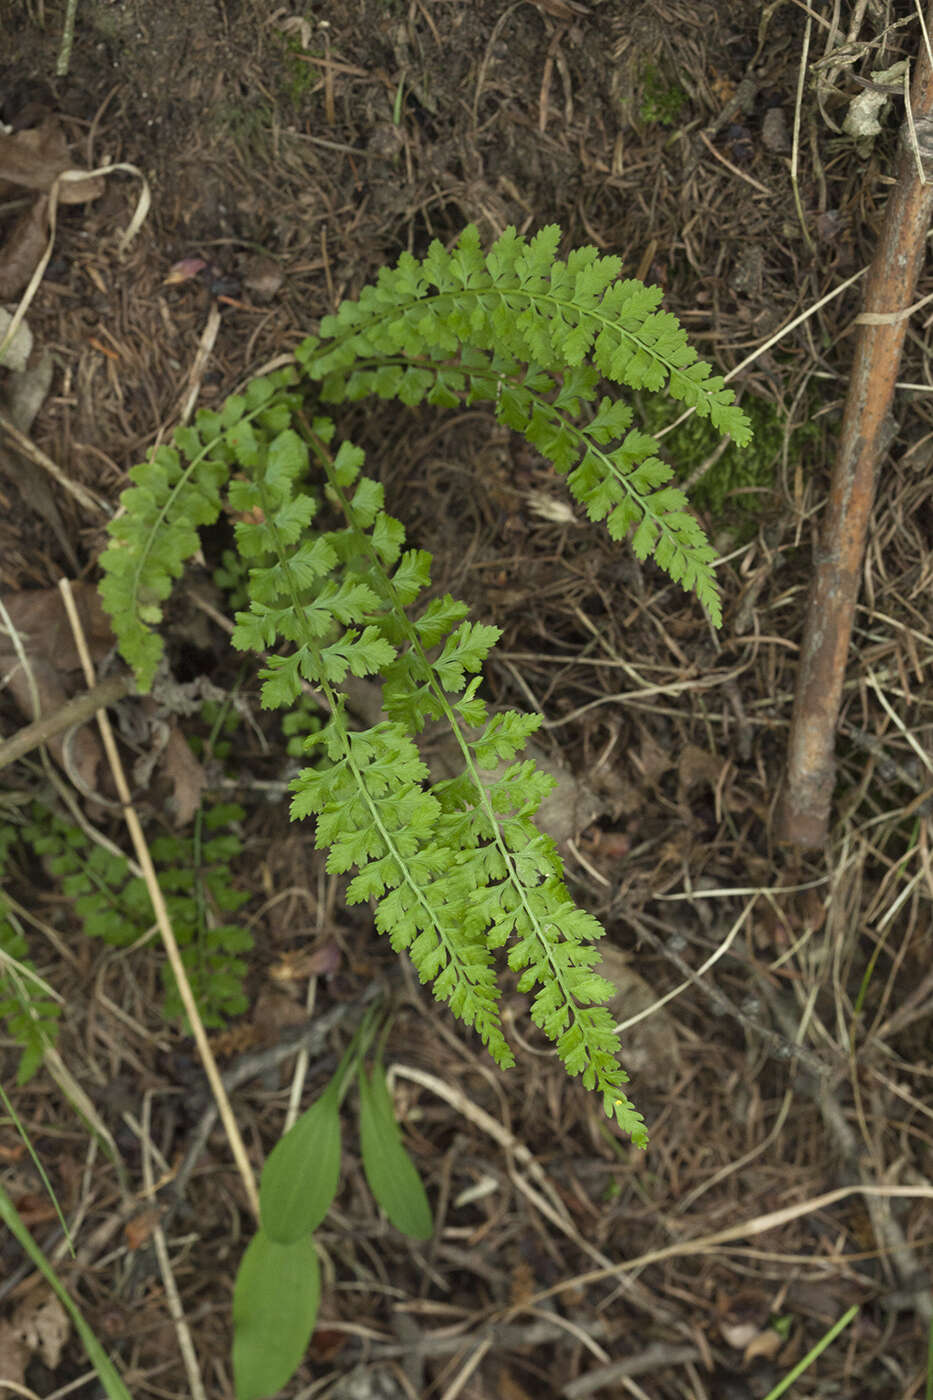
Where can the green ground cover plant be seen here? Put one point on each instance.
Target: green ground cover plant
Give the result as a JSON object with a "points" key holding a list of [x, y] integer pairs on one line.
{"points": [[457, 870], [277, 1291], [112, 903], [458, 874]]}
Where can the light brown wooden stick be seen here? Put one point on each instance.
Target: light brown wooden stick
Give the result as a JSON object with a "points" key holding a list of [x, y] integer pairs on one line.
{"points": [[867, 431], [76, 711]]}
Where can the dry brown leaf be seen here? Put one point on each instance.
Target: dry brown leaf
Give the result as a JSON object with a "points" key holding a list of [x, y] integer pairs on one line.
{"points": [[766, 1344], [299, 964], [183, 271], [21, 398], [23, 247], [41, 1325], [186, 775], [652, 1045], [698, 765], [26, 392], [35, 158], [262, 277], [138, 1231], [15, 356], [14, 1356]]}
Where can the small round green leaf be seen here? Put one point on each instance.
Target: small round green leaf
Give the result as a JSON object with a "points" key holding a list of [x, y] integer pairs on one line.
{"points": [[392, 1175], [299, 1181], [275, 1303]]}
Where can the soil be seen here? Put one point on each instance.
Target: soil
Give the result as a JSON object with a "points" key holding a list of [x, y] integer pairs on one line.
{"points": [[288, 154]]}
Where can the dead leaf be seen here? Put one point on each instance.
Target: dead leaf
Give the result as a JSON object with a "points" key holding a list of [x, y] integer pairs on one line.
{"points": [[326, 1344], [263, 277], [186, 775], [299, 964], [183, 271], [26, 392], [742, 1316], [138, 1231], [14, 1356], [698, 765], [16, 355], [35, 158], [651, 1046], [41, 1325], [22, 397], [34, 1209], [766, 1344], [23, 247], [235, 1041]]}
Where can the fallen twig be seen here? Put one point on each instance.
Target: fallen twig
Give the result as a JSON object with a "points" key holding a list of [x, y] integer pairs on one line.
{"points": [[78, 710], [867, 432]]}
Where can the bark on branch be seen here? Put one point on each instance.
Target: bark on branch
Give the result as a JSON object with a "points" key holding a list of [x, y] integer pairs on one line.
{"points": [[867, 432]]}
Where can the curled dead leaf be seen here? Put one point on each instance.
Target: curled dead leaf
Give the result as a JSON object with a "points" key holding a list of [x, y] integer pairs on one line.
{"points": [[41, 1325], [34, 159], [23, 247]]}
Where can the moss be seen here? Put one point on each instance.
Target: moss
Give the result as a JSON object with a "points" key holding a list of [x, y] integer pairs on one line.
{"points": [[661, 101], [738, 490]]}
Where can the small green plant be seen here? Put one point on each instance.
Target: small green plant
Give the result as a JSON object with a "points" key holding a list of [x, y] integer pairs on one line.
{"points": [[114, 905], [661, 101], [457, 870], [277, 1291], [30, 1014]]}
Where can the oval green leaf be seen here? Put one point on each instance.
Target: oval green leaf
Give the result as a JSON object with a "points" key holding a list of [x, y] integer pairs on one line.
{"points": [[299, 1181], [392, 1175], [275, 1303]]}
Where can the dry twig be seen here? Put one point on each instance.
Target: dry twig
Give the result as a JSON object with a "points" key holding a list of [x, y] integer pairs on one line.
{"points": [[867, 432]]}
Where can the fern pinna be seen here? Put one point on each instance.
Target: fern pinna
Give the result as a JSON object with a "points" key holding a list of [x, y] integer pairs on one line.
{"points": [[457, 869]]}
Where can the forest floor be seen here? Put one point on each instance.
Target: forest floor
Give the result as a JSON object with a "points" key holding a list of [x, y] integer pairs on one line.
{"points": [[289, 152]]}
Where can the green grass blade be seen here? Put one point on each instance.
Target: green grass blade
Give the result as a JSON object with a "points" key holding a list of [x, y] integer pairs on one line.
{"points": [[807, 1361], [99, 1359]]}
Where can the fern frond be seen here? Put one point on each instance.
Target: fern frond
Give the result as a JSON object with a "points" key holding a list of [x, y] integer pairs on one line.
{"points": [[503, 876], [524, 324], [174, 494], [456, 869], [29, 1011], [520, 300], [193, 872]]}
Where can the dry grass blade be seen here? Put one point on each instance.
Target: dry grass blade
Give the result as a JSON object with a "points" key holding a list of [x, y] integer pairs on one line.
{"points": [[238, 1147]]}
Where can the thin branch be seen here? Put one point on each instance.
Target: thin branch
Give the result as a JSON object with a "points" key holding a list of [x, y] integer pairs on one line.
{"points": [[867, 432], [74, 712]]}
